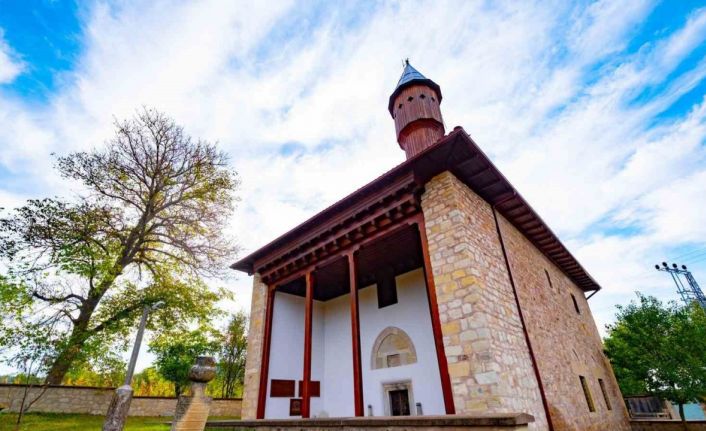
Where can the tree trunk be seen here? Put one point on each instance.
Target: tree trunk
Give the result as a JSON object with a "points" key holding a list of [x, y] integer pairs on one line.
{"points": [[681, 415], [66, 357], [62, 363]]}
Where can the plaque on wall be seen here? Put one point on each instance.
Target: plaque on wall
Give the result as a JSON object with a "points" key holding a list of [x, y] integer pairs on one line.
{"points": [[282, 388], [295, 407], [314, 388]]}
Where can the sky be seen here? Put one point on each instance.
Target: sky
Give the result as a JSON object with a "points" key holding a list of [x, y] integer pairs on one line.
{"points": [[595, 111]]}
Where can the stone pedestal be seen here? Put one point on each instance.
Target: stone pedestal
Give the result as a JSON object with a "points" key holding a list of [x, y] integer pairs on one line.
{"points": [[192, 410], [119, 407]]}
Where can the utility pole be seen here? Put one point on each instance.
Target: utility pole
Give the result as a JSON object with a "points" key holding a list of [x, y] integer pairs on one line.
{"points": [[689, 291], [120, 405]]}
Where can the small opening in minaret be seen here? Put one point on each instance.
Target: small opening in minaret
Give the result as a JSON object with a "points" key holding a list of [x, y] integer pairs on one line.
{"points": [[410, 98], [400, 106], [421, 96], [432, 99]]}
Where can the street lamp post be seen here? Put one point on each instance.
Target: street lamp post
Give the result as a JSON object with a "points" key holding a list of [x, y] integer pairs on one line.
{"points": [[120, 405]]}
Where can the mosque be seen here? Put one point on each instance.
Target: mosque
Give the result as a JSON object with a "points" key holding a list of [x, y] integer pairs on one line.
{"points": [[435, 289]]}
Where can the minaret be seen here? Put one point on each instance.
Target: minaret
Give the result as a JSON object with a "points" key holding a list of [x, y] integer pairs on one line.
{"points": [[415, 107]]}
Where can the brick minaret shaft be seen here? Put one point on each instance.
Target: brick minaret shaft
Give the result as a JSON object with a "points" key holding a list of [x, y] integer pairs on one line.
{"points": [[414, 105]]}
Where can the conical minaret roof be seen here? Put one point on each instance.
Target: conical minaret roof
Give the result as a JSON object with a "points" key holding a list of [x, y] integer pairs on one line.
{"points": [[411, 76]]}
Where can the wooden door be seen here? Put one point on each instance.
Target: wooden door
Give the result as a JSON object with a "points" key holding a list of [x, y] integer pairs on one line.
{"points": [[399, 402]]}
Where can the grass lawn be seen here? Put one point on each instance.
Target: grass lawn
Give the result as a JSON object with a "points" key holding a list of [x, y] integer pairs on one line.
{"points": [[65, 422]]}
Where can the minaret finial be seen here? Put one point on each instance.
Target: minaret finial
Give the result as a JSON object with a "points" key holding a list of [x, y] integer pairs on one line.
{"points": [[406, 61]]}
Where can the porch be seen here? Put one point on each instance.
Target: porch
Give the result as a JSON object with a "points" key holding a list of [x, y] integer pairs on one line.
{"points": [[356, 335]]}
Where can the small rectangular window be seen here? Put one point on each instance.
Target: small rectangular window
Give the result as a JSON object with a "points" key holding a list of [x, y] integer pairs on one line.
{"points": [[605, 394], [387, 289], [587, 394], [549, 280], [576, 304]]}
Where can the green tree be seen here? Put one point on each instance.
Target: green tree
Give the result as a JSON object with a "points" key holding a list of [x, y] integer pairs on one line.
{"points": [[108, 371], [659, 349], [149, 382], [147, 227], [176, 353], [26, 346], [231, 366]]}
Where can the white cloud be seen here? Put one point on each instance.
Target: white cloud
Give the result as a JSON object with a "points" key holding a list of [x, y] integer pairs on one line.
{"points": [[530, 81], [10, 65]]}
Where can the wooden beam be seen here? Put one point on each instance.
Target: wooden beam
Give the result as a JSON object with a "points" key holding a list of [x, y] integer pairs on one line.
{"points": [[379, 217], [265, 359], [489, 185], [435, 321], [369, 239], [397, 186], [308, 309], [355, 336], [478, 173]]}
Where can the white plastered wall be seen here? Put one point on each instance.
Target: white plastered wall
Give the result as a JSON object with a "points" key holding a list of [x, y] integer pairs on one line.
{"points": [[332, 362], [287, 350], [411, 314]]}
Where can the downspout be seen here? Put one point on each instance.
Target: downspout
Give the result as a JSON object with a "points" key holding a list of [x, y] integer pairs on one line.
{"points": [[522, 321]]}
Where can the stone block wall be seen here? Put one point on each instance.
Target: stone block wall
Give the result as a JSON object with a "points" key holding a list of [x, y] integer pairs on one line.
{"points": [[95, 401], [488, 356], [58, 399], [254, 353], [566, 344], [226, 407], [489, 363]]}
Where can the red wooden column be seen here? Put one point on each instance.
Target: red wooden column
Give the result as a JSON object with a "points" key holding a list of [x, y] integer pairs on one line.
{"points": [[306, 398], [355, 336], [435, 321], [265, 359]]}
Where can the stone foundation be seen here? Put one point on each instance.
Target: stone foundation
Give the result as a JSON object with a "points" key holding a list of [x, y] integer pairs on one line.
{"points": [[95, 401], [657, 425], [499, 422]]}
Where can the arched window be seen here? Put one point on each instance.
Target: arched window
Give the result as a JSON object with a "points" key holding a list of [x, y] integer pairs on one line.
{"points": [[393, 348]]}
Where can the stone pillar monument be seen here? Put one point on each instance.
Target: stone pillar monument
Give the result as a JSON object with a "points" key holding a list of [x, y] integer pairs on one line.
{"points": [[118, 409], [192, 410]]}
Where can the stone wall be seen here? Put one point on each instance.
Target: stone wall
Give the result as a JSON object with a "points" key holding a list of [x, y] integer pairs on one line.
{"points": [[657, 425], [489, 363], [95, 401], [254, 352], [566, 344], [488, 356]]}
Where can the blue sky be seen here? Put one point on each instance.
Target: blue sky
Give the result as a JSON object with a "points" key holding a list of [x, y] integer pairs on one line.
{"points": [[594, 110]]}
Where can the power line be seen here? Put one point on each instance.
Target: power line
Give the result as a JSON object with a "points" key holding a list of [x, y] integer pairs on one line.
{"points": [[690, 252], [695, 257]]}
